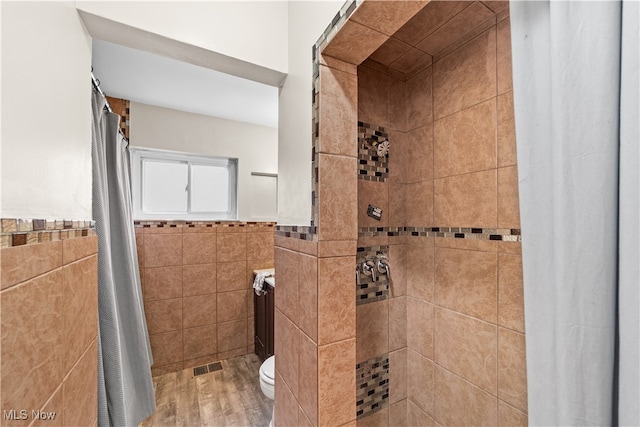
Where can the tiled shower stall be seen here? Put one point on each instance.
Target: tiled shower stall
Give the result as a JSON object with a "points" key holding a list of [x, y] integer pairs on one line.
{"points": [[438, 338]]}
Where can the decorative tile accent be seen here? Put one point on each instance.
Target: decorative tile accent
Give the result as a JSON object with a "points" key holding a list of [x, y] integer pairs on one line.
{"points": [[503, 234], [372, 385], [19, 232], [297, 232], [372, 166], [202, 224], [367, 289]]}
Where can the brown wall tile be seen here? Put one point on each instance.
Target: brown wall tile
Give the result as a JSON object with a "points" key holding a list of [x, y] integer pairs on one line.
{"points": [[232, 305], [505, 81], [287, 347], [388, 17], [54, 404], [398, 261], [398, 413], [166, 348], [397, 323], [285, 405], [200, 341], [260, 245], [162, 250], [420, 271], [336, 299], [420, 100], [80, 307], [420, 204], [336, 248], [467, 347], [74, 249], [461, 403], [397, 375], [232, 335], [420, 383], [163, 315], [398, 156], [201, 309], [508, 200], [372, 330], [308, 297], [420, 327], [286, 298], [373, 96], [466, 281], [232, 246], [466, 76], [354, 43], [338, 112], [397, 104], [379, 418], [417, 417], [162, 283], [376, 194], [338, 208], [466, 200], [506, 131], [510, 292], [232, 276], [308, 378], [336, 383], [397, 213], [28, 341], [79, 390], [512, 378], [456, 29], [466, 141], [509, 416], [198, 279], [420, 158], [20, 263], [198, 248]]}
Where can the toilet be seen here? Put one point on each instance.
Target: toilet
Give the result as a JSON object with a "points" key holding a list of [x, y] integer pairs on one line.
{"points": [[268, 380]]}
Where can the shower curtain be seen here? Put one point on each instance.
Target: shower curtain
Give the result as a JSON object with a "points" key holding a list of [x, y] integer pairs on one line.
{"points": [[575, 86], [125, 388]]}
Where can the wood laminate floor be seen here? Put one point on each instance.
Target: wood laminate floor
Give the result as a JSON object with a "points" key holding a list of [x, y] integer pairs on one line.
{"points": [[228, 397]]}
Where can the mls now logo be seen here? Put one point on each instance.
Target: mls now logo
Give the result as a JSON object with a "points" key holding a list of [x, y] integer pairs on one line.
{"points": [[23, 414]]}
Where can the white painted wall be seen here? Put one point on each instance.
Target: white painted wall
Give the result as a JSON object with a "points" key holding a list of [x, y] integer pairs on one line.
{"points": [[46, 112], [255, 147], [307, 20], [252, 31]]}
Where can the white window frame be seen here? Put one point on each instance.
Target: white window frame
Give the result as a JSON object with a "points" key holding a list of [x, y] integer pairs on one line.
{"points": [[138, 157]]}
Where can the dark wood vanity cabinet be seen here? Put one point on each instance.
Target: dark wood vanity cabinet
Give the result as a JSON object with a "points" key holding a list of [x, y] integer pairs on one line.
{"points": [[263, 323]]}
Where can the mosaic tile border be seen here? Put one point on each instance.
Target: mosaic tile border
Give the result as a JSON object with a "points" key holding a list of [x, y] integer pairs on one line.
{"points": [[202, 224], [297, 232], [371, 166], [367, 289], [372, 385], [20, 232], [471, 233]]}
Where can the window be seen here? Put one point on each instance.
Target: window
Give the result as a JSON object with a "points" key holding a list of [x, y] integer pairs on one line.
{"points": [[173, 185]]}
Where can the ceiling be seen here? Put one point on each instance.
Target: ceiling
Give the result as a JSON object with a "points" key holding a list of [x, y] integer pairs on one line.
{"points": [[156, 80], [434, 31]]}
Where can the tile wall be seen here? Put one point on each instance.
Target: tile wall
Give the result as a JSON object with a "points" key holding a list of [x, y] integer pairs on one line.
{"points": [[197, 282], [454, 327], [451, 326], [49, 305]]}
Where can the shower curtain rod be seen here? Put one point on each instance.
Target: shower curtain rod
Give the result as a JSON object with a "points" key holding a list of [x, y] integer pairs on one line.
{"points": [[96, 85]]}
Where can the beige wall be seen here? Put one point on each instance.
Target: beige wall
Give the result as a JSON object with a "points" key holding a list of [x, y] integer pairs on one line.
{"points": [[46, 114], [197, 285], [49, 327], [255, 147], [245, 38]]}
